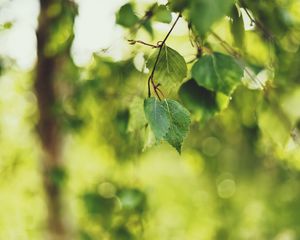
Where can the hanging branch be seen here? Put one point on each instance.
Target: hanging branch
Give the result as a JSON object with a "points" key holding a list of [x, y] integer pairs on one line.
{"points": [[160, 46]]}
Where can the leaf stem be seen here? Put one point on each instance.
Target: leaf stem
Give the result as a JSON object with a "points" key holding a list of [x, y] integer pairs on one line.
{"points": [[160, 46]]}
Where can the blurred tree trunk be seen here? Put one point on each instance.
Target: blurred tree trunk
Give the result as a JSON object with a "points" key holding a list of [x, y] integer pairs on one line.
{"points": [[47, 69]]}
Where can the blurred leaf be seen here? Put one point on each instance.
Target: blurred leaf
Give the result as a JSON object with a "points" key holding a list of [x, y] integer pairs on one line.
{"points": [[122, 233], [237, 27], [171, 68], [179, 123], [290, 105], [58, 176], [162, 14], [122, 119], [157, 117], [295, 133], [148, 27], [205, 12], [6, 25], [72, 122], [85, 236], [217, 72], [137, 119], [61, 32], [126, 16], [199, 100], [149, 139], [132, 199], [97, 205]]}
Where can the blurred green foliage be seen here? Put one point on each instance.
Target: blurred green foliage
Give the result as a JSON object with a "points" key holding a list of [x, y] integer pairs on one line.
{"points": [[238, 175]]}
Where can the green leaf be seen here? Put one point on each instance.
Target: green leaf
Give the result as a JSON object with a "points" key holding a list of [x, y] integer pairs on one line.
{"points": [[237, 27], [157, 117], [126, 16], [180, 121], [162, 14], [148, 27], [171, 68], [217, 72], [206, 12], [178, 5], [199, 100], [168, 120], [137, 119]]}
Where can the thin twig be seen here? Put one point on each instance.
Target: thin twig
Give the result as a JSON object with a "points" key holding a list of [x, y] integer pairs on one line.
{"points": [[225, 45], [265, 31], [249, 16], [132, 42]]}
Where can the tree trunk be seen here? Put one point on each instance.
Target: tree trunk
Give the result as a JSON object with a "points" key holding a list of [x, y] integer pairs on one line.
{"points": [[48, 124]]}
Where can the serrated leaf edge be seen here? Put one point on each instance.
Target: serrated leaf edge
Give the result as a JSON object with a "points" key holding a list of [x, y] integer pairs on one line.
{"points": [[186, 133]]}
